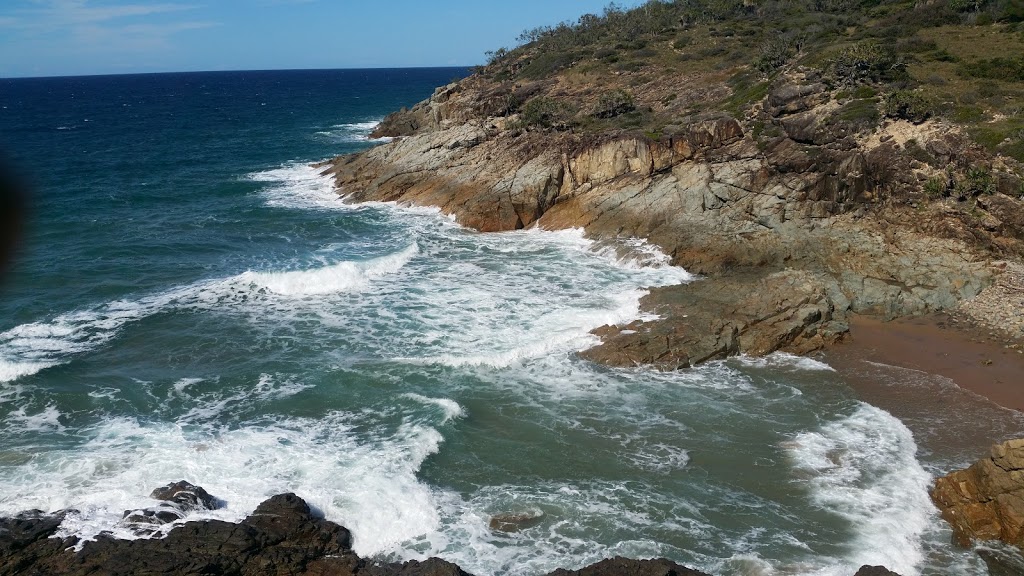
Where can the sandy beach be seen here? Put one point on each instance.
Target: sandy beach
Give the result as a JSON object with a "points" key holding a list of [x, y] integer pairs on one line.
{"points": [[974, 358]]}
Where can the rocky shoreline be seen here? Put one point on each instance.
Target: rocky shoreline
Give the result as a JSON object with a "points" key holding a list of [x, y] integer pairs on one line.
{"points": [[283, 536], [793, 233]]}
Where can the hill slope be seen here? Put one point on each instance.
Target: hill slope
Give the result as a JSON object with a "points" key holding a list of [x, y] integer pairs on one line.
{"points": [[816, 158]]}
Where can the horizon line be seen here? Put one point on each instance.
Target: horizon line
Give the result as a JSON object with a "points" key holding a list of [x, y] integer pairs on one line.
{"points": [[468, 66]]}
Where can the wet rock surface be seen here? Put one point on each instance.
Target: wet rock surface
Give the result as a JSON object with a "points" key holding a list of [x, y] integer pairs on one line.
{"points": [[178, 500], [986, 501], [283, 536]]}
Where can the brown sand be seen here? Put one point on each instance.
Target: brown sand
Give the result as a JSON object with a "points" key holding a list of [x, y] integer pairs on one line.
{"points": [[967, 355]]}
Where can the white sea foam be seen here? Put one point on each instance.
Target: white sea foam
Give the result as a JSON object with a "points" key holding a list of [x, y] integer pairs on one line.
{"points": [[785, 360], [298, 185], [352, 132], [344, 276], [10, 371], [359, 126], [184, 383], [864, 469], [369, 485], [28, 348], [46, 420], [451, 408]]}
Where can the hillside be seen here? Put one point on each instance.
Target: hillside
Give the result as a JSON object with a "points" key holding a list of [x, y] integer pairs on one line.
{"points": [[814, 158]]}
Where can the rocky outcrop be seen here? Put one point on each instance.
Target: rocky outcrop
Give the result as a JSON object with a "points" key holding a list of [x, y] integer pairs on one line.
{"points": [[986, 501], [875, 571], [745, 313], [178, 499], [821, 208], [282, 536]]}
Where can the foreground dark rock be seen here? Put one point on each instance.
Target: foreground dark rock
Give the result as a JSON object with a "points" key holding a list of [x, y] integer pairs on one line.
{"points": [[281, 537], [986, 501]]}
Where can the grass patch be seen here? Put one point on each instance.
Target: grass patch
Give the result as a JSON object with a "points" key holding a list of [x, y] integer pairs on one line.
{"points": [[745, 92]]}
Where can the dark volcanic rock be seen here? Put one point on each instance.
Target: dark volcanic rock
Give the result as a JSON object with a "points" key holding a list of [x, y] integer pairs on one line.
{"points": [[281, 537], [620, 566], [186, 495], [875, 571], [179, 498], [429, 567]]}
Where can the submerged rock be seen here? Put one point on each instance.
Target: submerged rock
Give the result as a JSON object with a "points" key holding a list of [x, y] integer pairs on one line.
{"points": [[620, 566], [516, 522], [986, 501]]}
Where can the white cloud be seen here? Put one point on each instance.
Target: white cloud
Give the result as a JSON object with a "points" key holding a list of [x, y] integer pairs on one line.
{"points": [[108, 32]]}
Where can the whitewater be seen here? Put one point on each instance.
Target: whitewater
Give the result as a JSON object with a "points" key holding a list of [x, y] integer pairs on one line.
{"points": [[200, 304]]}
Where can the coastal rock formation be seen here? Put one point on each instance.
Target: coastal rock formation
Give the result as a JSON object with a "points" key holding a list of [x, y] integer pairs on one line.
{"points": [[282, 536], [795, 231], [178, 499], [986, 501]]}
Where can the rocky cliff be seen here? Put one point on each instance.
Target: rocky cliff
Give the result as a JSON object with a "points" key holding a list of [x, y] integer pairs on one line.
{"points": [[985, 503], [796, 217], [282, 536]]}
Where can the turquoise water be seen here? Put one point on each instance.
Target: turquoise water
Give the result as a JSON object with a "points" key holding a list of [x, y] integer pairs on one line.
{"points": [[193, 301]]}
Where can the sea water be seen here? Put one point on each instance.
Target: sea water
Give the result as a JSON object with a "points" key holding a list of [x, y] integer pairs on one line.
{"points": [[194, 301]]}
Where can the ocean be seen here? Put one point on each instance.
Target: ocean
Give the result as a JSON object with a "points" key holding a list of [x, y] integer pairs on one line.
{"points": [[193, 301]]}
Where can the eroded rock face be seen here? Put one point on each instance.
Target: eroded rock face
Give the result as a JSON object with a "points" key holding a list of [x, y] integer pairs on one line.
{"points": [[986, 501], [747, 312], [811, 210]]}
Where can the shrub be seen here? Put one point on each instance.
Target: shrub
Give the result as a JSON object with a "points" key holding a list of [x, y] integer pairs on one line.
{"points": [[546, 64], [908, 105], [862, 92], [544, 112], [868, 62], [936, 187], [774, 54], [614, 103], [681, 42], [495, 56], [977, 181], [995, 69]]}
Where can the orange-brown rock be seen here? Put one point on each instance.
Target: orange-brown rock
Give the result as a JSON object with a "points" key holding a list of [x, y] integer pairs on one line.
{"points": [[986, 501]]}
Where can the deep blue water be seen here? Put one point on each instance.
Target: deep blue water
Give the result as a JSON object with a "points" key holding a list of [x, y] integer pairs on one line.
{"points": [[193, 301]]}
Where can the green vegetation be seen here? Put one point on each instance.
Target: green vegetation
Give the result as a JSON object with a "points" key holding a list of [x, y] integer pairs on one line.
{"points": [[614, 103], [908, 105], [542, 112], [1010, 69], [977, 181], [636, 69], [868, 61]]}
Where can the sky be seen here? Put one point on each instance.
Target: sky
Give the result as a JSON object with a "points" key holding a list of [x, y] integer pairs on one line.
{"points": [[82, 37]]}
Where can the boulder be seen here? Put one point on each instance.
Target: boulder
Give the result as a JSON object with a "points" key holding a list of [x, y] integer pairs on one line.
{"points": [[620, 566], [875, 571], [178, 500], [986, 501], [516, 522]]}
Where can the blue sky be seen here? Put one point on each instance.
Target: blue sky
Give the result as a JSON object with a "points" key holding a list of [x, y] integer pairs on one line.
{"points": [[73, 37]]}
